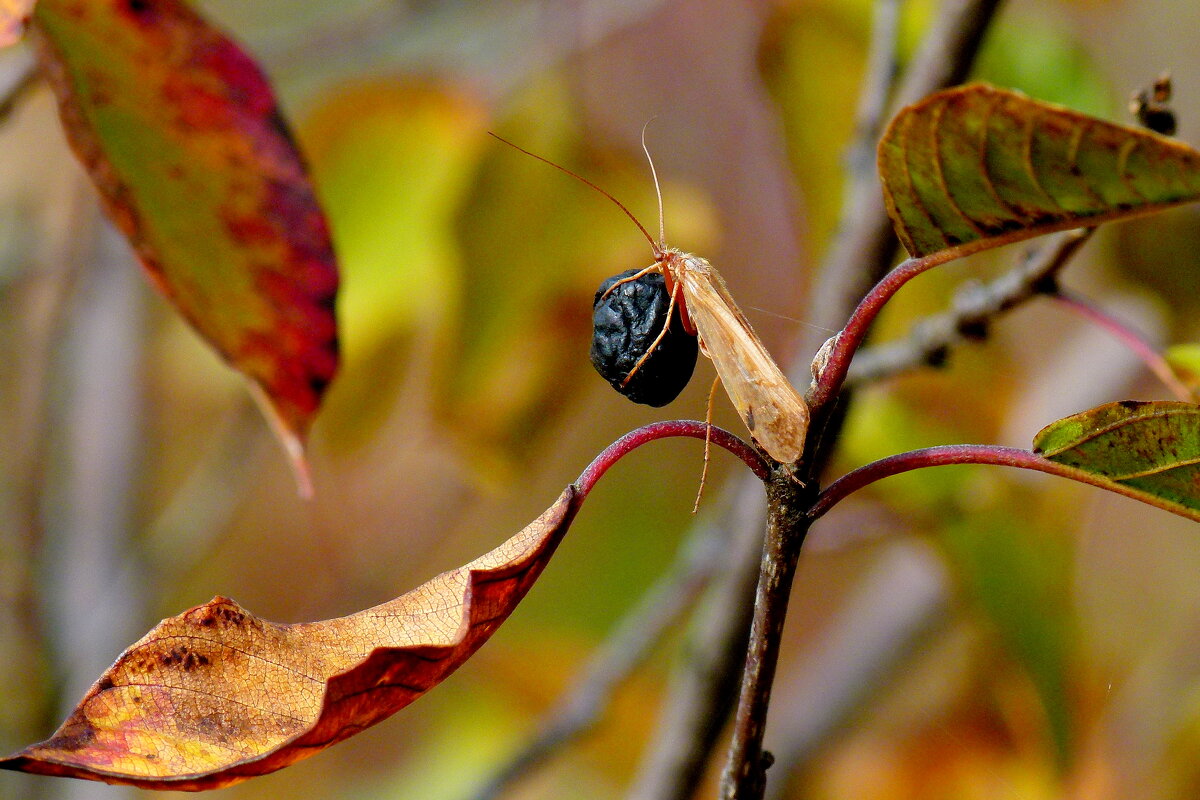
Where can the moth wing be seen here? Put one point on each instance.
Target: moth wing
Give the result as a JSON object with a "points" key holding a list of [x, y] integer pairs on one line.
{"points": [[774, 412]]}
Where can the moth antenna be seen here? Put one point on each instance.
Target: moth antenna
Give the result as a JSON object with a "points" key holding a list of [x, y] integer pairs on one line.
{"points": [[657, 249], [662, 231]]}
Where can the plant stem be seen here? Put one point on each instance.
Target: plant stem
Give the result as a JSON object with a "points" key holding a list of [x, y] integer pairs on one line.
{"points": [[690, 428], [947, 455], [833, 374], [899, 605], [745, 771]]}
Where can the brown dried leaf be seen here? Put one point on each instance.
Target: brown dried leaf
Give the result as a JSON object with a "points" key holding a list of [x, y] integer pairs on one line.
{"points": [[216, 695]]}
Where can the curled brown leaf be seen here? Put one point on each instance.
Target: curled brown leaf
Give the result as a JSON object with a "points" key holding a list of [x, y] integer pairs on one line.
{"points": [[216, 695]]}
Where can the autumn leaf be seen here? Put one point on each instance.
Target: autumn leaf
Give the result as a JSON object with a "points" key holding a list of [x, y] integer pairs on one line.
{"points": [[182, 136], [977, 167], [216, 695], [14, 15], [1150, 448]]}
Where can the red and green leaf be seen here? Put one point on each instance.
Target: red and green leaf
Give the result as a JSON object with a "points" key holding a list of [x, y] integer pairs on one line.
{"points": [[181, 133], [976, 167]]}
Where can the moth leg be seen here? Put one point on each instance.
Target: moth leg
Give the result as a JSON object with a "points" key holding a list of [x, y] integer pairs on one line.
{"points": [[670, 311], [712, 396], [652, 268]]}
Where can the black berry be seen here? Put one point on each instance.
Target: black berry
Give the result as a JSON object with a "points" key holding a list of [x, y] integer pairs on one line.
{"points": [[625, 324]]}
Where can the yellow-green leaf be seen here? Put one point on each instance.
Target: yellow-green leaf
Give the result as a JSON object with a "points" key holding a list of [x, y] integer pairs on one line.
{"points": [[1184, 359], [977, 167], [1152, 448]]}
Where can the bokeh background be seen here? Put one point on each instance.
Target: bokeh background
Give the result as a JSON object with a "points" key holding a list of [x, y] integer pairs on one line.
{"points": [[992, 635]]}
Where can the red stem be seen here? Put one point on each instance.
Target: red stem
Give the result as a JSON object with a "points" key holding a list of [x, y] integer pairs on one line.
{"points": [[829, 382], [1131, 338], [664, 430], [956, 454]]}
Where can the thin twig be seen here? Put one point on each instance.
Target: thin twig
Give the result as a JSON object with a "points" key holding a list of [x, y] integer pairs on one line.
{"points": [[657, 612], [703, 686], [663, 430], [41, 301], [871, 114], [972, 311], [1132, 339], [864, 237], [94, 473]]}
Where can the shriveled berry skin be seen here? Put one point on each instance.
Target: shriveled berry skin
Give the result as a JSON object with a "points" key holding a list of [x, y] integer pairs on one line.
{"points": [[625, 324]]}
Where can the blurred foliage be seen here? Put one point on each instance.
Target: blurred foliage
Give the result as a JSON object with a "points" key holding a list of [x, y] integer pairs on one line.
{"points": [[834, 35], [1065, 667], [1185, 360], [1019, 571], [391, 183]]}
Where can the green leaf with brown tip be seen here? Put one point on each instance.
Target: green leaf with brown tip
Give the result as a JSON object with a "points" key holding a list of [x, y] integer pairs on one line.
{"points": [[976, 167], [181, 134], [1152, 448]]}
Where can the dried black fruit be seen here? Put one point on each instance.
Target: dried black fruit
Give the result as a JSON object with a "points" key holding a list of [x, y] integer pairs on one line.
{"points": [[1152, 107], [625, 324]]}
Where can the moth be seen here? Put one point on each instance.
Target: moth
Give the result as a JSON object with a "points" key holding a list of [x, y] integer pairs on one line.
{"points": [[774, 412]]}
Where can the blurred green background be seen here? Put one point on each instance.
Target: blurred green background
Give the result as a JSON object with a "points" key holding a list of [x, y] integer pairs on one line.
{"points": [[1049, 647]]}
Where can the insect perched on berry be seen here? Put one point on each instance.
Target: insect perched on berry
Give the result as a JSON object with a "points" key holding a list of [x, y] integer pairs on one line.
{"points": [[773, 411]]}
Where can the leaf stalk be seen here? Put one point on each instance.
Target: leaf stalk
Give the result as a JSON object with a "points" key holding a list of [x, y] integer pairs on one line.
{"points": [[690, 428]]}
